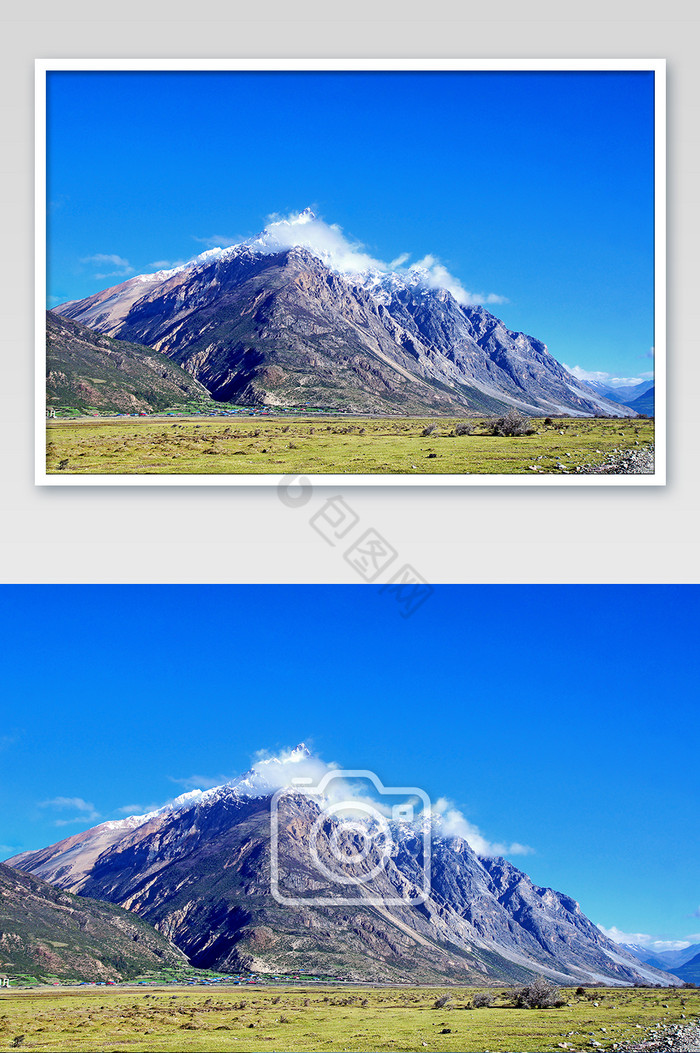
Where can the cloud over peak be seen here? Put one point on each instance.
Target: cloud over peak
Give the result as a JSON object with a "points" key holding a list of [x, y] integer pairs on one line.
{"points": [[453, 823], [300, 770], [348, 255]]}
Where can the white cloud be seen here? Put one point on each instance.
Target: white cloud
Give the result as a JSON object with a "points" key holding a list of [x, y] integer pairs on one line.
{"points": [[399, 261], [200, 782], [453, 824], [74, 819], [68, 802], [123, 267], [87, 808], [218, 241], [437, 276], [164, 265], [305, 230], [346, 255], [643, 939], [608, 379], [137, 809]]}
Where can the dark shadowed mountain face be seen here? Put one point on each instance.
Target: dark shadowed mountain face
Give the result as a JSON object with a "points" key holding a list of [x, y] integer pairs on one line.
{"points": [[282, 329], [45, 930], [200, 872]]}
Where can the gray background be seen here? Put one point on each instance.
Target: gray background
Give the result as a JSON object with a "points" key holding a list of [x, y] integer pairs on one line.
{"points": [[476, 534]]}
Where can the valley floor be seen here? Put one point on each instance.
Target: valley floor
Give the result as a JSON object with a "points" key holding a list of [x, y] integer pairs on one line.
{"points": [[339, 1017], [345, 446]]}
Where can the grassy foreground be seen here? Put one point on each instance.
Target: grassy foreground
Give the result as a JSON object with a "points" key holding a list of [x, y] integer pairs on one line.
{"points": [[348, 446], [327, 1018]]}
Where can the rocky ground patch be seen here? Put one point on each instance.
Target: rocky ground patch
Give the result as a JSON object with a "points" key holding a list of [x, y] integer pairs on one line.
{"points": [[623, 462]]}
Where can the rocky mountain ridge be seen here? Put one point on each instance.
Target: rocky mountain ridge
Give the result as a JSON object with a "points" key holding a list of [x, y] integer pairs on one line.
{"points": [[261, 324], [89, 372], [199, 870], [48, 931]]}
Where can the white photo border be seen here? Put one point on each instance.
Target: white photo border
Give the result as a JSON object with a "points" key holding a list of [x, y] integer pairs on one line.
{"points": [[655, 66]]}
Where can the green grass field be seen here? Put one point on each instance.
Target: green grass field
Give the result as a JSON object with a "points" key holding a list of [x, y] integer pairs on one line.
{"points": [[316, 445], [328, 1018]]}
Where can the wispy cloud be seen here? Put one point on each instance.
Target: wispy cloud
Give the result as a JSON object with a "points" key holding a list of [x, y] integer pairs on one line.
{"points": [[644, 939], [200, 782], [137, 809], [453, 823], [607, 379], [164, 265], [86, 808], [74, 819], [218, 241], [437, 276], [121, 267]]}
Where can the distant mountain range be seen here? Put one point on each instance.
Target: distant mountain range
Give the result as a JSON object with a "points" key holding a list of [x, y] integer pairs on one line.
{"points": [[639, 397], [683, 963], [259, 325], [86, 371], [45, 931], [645, 403], [199, 870]]}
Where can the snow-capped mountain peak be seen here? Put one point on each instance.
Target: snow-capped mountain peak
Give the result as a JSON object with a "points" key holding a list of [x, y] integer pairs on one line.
{"points": [[413, 328]]}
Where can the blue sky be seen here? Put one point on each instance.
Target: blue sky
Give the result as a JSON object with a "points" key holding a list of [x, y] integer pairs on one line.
{"points": [[563, 718], [536, 188]]}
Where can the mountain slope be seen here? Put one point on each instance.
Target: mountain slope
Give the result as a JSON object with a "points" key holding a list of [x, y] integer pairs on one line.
{"points": [[46, 931], [87, 371], [200, 871], [689, 971], [262, 325], [645, 403]]}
